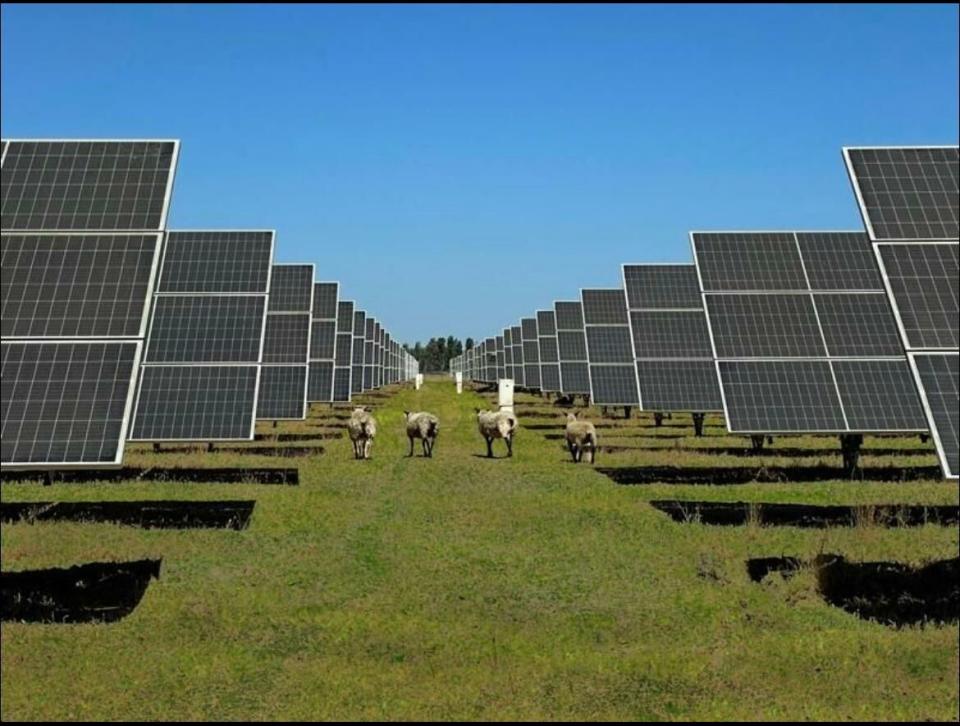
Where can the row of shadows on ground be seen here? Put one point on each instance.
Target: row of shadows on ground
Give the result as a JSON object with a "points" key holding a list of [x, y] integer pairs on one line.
{"points": [[108, 591], [887, 592]]}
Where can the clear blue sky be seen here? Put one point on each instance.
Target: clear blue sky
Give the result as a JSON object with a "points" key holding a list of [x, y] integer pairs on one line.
{"points": [[458, 167]]}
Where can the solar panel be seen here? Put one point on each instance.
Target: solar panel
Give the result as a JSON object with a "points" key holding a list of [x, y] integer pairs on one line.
{"points": [[548, 353], [206, 336], [320, 381], [356, 373], [519, 372], [206, 329], [613, 374], [939, 377], [196, 403], [907, 193], [76, 285], [679, 385], [908, 199], [283, 385], [291, 288], [217, 262], [827, 337], [571, 348], [670, 338], [80, 252], [501, 359], [341, 384], [662, 287], [287, 338], [54, 185], [781, 396], [325, 296], [680, 334], [764, 326], [323, 341], [283, 392], [923, 285], [65, 404]]}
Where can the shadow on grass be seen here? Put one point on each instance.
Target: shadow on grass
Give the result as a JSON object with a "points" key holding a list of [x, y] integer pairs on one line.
{"points": [[174, 474], [808, 515], [98, 592], [169, 514], [748, 474]]}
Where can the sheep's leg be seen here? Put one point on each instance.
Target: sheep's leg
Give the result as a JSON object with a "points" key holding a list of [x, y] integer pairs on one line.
{"points": [[509, 441], [489, 447], [367, 448], [411, 447]]}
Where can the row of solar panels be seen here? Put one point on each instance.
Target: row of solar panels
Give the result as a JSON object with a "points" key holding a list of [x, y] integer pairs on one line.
{"points": [[114, 329], [784, 332]]}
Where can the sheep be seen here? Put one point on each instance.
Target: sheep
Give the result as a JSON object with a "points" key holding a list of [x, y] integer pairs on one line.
{"points": [[362, 428], [581, 436], [424, 426], [497, 425]]}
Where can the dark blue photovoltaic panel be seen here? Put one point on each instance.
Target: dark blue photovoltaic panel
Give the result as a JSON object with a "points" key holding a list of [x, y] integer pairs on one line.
{"points": [[206, 329], [662, 286], [86, 185], [283, 392], [217, 261], [64, 402], [75, 285], [679, 385], [196, 403], [748, 261], [291, 289]]}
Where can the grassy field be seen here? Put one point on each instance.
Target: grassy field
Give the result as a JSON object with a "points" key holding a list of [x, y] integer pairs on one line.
{"points": [[465, 588]]}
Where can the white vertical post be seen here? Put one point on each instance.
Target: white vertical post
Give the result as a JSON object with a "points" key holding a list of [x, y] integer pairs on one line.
{"points": [[505, 394], [459, 377], [419, 380]]}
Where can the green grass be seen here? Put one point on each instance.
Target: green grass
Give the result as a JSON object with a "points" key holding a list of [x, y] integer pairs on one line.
{"points": [[463, 588]]}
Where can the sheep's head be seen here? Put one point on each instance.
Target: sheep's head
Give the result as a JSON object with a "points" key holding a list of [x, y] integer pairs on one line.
{"points": [[571, 417]]}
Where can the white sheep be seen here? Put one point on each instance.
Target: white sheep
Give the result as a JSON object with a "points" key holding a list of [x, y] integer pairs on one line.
{"points": [[424, 426], [362, 428], [497, 425], [581, 436]]}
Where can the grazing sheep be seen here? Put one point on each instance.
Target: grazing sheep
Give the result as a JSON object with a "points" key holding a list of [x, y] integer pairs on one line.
{"points": [[362, 428], [424, 426], [581, 436], [497, 425]]}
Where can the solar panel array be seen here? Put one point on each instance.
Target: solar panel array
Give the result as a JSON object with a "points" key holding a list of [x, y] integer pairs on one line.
{"points": [[80, 238], [323, 342], [802, 344], [613, 376], [908, 198], [572, 347], [286, 347], [671, 342], [114, 329], [343, 355], [549, 355], [202, 361]]}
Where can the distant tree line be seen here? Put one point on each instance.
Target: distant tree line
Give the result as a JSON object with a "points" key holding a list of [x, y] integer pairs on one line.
{"points": [[435, 356]]}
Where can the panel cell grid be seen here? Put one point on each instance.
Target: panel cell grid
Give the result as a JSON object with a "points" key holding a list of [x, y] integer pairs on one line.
{"points": [[609, 344], [550, 377], [282, 393], [674, 334], [196, 403], [287, 338], [65, 403], [780, 396], [323, 340], [679, 385], [604, 307], [907, 193], [839, 261], [546, 322], [325, 300], [662, 287], [291, 289], [572, 346], [858, 325], [206, 329], [614, 385], [575, 378], [320, 381], [731, 261], [569, 315], [75, 285], [216, 262], [86, 185], [939, 377], [764, 326], [924, 281], [879, 395]]}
